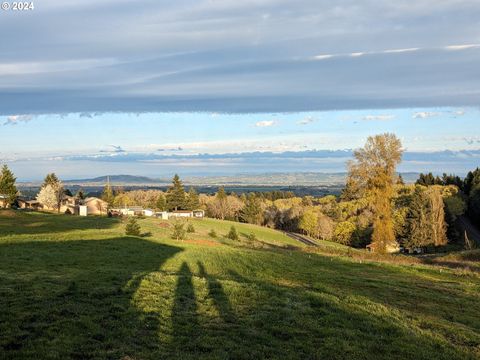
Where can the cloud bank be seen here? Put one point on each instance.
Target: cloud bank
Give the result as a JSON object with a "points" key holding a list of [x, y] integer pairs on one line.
{"points": [[239, 56]]}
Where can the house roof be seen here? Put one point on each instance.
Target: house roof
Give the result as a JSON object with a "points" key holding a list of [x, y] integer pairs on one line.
{"points": [[181, 212], [93, 199]]}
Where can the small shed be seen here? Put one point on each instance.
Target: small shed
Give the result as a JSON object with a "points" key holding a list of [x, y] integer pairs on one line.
{"points": [[83, 210]]}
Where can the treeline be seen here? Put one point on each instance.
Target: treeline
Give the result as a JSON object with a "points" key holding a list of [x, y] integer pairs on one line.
{"points": [[469, 188]]}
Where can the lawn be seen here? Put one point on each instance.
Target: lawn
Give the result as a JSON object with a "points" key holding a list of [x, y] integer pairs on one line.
{"points": [[77, 288]]}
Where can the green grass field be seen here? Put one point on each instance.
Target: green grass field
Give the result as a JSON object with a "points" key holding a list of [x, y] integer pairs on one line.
{"points": [[77, 288]]}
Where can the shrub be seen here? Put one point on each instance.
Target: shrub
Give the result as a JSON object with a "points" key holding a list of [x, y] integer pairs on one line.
{"points": [[252, 237], [212, 233], [178, 231], [132, 228], [190, 228], [232, 234], [343, 232]]}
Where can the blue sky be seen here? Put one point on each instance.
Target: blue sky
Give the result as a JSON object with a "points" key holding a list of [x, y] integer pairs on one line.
{"points": [[158, 144], [219, 77]]}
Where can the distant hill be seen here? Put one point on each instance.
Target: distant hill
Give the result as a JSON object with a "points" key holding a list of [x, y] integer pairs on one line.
{"points": [[119, 179]]}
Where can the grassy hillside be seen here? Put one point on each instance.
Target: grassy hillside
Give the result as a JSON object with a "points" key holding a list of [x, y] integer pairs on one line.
{"points": [[77, 288]]}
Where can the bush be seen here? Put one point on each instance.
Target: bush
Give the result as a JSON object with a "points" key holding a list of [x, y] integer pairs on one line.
{"points": [[132, 228], [212, 233], [232, 234], [178, 231], [252, 237], [344, 232], [190, 228]]}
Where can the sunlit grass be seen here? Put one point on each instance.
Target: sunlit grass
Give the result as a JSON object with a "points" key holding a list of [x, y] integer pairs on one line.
{"points": [[74, 287]]}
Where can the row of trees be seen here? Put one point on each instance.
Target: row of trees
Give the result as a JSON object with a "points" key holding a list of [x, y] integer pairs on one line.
{"points": [[176, 198]]}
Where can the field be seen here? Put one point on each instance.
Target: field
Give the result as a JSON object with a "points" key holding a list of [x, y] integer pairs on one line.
{"points": [[78, 288]]}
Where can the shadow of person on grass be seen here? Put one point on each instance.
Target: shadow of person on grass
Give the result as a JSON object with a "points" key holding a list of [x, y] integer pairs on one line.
{"points": [[217, 294], [74, 299]]}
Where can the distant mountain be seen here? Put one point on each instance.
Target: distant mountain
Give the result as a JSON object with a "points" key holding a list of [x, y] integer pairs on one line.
{"points": [[119, 179], [268, 179]]}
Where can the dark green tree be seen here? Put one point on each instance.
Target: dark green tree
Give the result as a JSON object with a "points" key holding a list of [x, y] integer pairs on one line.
{"points": [[472, 180], [178, 231], [7, 186], [221, 194], [176, 199], [190, 228], [80, 194], [108, 195], [232, 234], [50, 179], [193, 200], [161, 203], [132, 228], [252, 211]]}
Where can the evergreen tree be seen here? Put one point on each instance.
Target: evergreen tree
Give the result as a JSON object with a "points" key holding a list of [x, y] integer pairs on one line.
{"points": [[161, 203], [80, 194], [107, 194], [252, 211], [193, 200], [426, 219], [67, 192], [190, 228], [232, 234], [132, 228], [178, 231], [400, 180], [51, 179], [221, 194], [472, 180], [176, 195], [7, 186]]}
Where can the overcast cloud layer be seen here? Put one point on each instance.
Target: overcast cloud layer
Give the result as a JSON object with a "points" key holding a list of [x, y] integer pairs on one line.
{"points": [[239, 56]]}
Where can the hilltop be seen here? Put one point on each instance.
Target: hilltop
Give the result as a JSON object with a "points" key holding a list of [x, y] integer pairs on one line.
{"points": [[73, 287]]}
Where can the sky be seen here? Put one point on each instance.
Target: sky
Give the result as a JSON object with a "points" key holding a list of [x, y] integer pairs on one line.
{"points": [[224, 87]]}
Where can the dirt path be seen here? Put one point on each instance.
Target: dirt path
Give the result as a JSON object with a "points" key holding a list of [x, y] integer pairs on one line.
{"points": [[301, 238], [472, 231]]}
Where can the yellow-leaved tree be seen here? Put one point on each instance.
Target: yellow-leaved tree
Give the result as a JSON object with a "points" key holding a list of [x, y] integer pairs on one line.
{"points": [[373, 174]]}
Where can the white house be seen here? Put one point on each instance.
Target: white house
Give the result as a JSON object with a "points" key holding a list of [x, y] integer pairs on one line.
{"points": [[148, 212]]}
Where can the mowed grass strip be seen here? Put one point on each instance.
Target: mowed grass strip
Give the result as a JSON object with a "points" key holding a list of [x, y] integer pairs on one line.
{"points": [[77, 288]]}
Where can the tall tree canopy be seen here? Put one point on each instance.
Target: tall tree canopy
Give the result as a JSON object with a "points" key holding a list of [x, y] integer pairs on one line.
{"points": [[107, 194], [50, 179], [7, 186], [373, 174], [193, 202], [176, 199]]}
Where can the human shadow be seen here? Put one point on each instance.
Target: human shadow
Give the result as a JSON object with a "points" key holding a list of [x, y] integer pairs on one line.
{"points": [[186, 327], [75, 299], [217, 294], [18, 222]]}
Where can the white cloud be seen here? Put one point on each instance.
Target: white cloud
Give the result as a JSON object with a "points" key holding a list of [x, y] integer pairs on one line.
{"points": [[323, 57], [265, 123], [383, 117], [462, 47], [425, 114], [396, 51], [15, 119]]}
